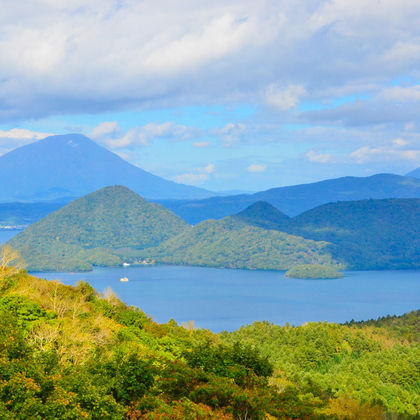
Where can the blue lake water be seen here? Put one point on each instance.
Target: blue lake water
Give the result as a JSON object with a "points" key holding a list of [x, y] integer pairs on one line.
{"points": [[223, 299]]}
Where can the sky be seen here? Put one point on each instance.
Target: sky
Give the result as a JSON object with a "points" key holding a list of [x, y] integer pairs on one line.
{"points": [[226, 95]]}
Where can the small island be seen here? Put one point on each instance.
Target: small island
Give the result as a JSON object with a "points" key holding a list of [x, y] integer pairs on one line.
{"points": [[313, 271]]}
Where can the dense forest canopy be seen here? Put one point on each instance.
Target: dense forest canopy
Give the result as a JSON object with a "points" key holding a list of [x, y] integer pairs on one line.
{"points": [[233, 243], [68, 352], [87, 231]]}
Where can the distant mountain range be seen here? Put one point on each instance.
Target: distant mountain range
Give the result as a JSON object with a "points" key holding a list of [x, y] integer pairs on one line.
{"points": [[366, 234], [415, 173], [24, 214], [96, 230], [69, 166], [296, 199]]}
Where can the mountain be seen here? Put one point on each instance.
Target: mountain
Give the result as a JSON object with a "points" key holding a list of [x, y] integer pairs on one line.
{"points": [[73, 165], [296, 199], [415, 173], [233, 243], [263, 215], [366, 234], [97, 229]]}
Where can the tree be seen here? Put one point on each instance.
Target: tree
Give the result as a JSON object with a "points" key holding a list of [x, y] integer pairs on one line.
{"points": [[10, 260]]}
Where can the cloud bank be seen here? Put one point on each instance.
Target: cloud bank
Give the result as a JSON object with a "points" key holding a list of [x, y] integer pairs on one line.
{"points": [[77, 56]]}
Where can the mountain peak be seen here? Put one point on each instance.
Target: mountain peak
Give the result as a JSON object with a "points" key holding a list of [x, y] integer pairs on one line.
{"points": [[95, 229], [263, 214], [72, 165]]}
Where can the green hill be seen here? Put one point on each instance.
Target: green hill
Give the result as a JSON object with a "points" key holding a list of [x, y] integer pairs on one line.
{"points": [[264, 215], [97, 229], [71, 353], [233, 243], [366, 234]]}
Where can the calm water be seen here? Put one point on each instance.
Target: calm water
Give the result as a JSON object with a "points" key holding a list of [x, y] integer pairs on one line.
{"points": [[222, 299]]}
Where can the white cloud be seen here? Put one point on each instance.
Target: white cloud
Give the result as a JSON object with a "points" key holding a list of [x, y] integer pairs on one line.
{"points": [[16, 137], [399, 142], [105, 128], [231, 133], [256, 168], [402, 94], [197, 176], [410, 126], [284, 98], [102, 55], [368, 154], [318, 157], [201, 144], [209, 169], [23, 134], [110, 134]]}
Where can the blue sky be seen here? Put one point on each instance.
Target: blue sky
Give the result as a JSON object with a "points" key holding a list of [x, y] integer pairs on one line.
{"points": [[224, 95]]}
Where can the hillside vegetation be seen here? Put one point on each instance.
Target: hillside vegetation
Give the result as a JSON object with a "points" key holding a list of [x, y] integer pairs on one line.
{"points": [[70, 353], [366, 234], [91, 229], [232, 243], [313, 271]]}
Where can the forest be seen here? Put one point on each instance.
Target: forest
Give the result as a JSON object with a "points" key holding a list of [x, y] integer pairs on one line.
{"points": [[69, 352]]}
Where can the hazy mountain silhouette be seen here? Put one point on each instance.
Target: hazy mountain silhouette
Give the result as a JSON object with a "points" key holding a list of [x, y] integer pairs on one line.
{"points": [[296, 199], [73, 165]]}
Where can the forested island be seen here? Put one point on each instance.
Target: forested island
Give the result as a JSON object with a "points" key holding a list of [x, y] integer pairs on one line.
{"points": [[313, 271], [70, 352]]}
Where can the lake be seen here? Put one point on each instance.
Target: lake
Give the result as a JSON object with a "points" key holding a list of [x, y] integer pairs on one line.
{"points": [[224, 299]]}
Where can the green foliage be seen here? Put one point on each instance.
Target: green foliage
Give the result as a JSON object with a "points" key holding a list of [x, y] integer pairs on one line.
{"points": [[406, 326], [93, 230], [231, 243], [367, 234], [313, 271], [364, 364], [69, 352], [25, 310], [236, 361]]}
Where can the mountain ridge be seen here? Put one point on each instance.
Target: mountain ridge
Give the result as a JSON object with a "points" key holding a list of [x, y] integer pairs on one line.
{"points": [[296, 199], [363, 234]]}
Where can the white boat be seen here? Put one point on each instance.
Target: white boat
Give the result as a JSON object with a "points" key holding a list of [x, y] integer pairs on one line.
{"points": [[124, 279]]}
